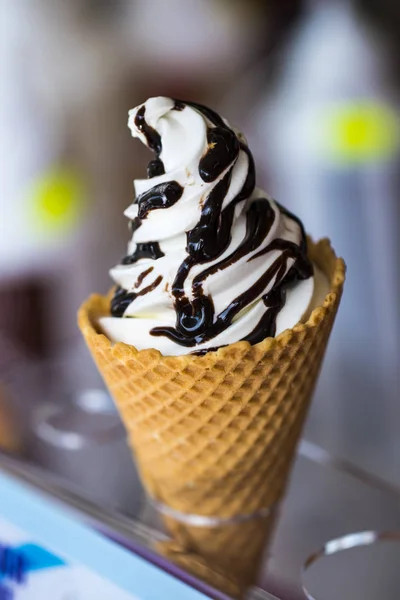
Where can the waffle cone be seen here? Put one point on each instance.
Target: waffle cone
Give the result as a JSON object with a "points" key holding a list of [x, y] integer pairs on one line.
{"points": [[215, 435]]}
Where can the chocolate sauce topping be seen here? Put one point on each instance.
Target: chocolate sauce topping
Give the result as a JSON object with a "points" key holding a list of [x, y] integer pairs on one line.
{"points": [[155, 168], [122, 298], [196, 319], [208, 113], [143, 276], [222, 151], [162, 195], [153, 138], [144, 250], [211, 236], [259, 220], [134, 224], [179, 105]]}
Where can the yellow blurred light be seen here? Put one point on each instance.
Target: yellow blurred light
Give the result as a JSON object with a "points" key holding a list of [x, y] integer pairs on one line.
{"points": [[360, 132], [56, 201]]}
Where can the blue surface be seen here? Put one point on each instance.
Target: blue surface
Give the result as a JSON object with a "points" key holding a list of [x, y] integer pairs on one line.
{"points": [[61, 533], [37, 558], [16, 561]]}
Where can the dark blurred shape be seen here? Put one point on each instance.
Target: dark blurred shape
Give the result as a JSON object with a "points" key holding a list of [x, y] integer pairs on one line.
{"points": [[22, 320], [10, 433], [100, 10], [384, 17], [383, 14], [283, 15]]}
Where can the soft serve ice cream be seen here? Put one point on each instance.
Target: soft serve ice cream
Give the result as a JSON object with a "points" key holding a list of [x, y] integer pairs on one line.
{"points": [[212, 260]]}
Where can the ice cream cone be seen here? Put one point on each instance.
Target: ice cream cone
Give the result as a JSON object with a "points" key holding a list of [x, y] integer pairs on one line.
{"points": [[215, 435]]}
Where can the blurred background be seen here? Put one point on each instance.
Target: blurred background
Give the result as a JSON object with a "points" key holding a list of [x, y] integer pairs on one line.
{"points": [[315, 87]]}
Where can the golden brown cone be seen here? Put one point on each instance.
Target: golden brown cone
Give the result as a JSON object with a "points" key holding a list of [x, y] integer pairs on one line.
{"points": [[215, 435], [227, 557]]}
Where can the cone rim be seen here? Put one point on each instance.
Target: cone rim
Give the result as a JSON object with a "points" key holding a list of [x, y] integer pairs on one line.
{"points": [[321, 253]]}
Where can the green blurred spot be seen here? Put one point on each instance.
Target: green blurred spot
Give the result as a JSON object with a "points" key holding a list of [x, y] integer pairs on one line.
{"points": [[360, 132], [57, 201]]}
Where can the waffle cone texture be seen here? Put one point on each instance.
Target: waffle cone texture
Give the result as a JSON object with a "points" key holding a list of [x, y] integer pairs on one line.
{"points": [[215, 435]]}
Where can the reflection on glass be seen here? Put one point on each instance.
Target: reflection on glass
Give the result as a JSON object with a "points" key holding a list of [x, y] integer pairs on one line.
{"points": [[363, 565]]}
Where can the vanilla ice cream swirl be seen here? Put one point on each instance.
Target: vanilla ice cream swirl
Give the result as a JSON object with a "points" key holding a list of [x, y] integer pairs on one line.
{"points": [[212, 259]]}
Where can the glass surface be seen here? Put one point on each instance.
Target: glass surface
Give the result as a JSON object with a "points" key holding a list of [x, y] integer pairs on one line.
{"points": [[325, 500], [362, 565]]}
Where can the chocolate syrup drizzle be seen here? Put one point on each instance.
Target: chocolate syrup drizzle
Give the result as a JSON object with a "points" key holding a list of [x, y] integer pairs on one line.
{"points": [[196, 319], [153, 139], [122, 298], [162, 195], [150, 250]]}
